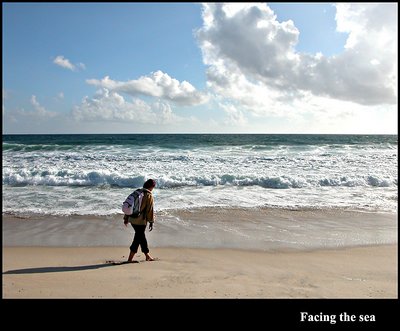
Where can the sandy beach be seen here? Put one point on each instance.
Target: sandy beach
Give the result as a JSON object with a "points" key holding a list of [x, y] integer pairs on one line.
{"points": [[83, 272]]}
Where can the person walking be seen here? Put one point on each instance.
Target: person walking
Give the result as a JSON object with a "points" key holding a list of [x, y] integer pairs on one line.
{"points": [[139, 223]]}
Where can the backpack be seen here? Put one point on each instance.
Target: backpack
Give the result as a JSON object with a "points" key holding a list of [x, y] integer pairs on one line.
{"points": [[131, 205]]}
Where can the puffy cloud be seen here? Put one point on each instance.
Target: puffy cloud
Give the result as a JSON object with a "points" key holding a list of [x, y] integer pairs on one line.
{"points": [[65, 63], [254, 97], [249, 51], [38, 113], [39, 110], [62, 62], [158, 84], [235, 116], [166, 115], [108, 105]]}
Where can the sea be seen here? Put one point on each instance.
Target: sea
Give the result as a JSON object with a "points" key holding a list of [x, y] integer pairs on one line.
{"points": [[245, 177]]}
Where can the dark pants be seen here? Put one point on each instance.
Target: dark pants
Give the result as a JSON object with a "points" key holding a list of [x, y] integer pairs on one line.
{"points": [[139, 239]]}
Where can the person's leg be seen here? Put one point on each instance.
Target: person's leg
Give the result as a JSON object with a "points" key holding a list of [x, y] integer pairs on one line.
{"points": [[135, 244], [143, 242], [140, 231], [131, 255], [148, 257], [145, 248], [142, 239]]}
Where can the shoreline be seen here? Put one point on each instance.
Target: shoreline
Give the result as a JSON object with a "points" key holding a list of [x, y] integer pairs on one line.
{"points": [[82, 272], [249, 229]]}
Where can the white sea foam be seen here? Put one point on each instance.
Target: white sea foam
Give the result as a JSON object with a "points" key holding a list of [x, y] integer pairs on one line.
{"points": [[94, 179]]}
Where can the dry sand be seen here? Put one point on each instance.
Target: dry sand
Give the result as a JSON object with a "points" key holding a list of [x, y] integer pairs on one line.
{"points": [[82, 272]]}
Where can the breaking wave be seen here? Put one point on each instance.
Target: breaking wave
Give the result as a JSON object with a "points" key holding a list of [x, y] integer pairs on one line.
{"points": [[292, 171], [105, 178]]}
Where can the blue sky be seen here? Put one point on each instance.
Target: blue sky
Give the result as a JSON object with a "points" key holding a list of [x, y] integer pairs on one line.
{"points": [[192, 67]]}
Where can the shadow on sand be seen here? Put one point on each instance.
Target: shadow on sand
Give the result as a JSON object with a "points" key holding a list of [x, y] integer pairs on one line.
{"points": [[61, 269]]}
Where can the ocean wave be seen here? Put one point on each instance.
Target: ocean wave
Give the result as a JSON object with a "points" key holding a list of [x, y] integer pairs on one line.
{"points": [[36, 147], [107, 178]]}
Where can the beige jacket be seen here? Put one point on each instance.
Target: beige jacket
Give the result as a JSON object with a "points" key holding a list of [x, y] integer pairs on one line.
{"points": [[146, 209]]}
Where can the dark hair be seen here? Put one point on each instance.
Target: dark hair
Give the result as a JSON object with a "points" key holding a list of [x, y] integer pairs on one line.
{"points": [[149, 183]]}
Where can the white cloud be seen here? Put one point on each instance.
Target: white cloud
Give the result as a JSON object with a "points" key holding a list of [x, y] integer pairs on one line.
{"points": [[110, 106], [235, 116], [39, 110], [158, 84], [62, 62], [166, 115], [38, 113], [65, 63], [254, 97], [245, 46]]}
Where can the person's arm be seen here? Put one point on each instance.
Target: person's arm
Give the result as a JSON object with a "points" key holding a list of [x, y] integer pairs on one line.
{"points": [[126, 220], [150, 212]]}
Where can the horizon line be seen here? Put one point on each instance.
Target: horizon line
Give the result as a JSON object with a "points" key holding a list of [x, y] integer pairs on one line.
{"points": [[203, 133]]}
